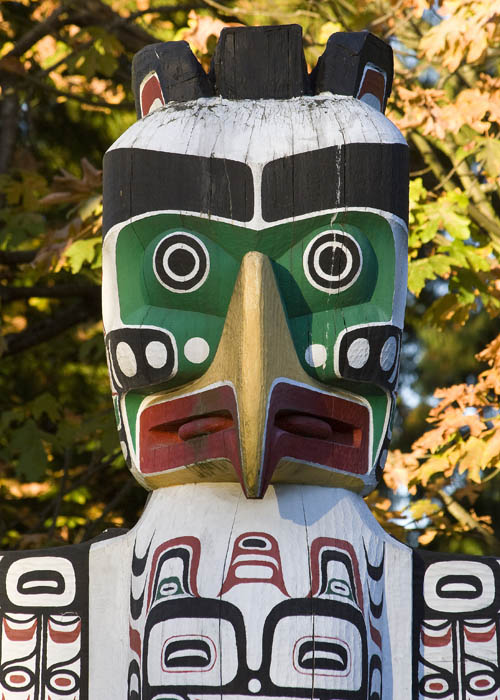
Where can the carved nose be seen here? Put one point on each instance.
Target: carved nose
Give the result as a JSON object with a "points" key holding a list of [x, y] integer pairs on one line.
{"points": [[256, 348]]}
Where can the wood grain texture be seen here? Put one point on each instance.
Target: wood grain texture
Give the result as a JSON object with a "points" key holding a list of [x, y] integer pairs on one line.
{"points": [[260, 63], [340, 68], [180, 74]]}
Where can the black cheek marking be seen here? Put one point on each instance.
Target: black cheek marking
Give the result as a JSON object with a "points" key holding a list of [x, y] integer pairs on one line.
{"points": [[141, 357], [371, 354]]}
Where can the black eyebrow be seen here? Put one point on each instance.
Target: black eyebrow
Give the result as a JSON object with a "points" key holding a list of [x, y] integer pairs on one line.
{"points": [[353, 175], [138, 180]]}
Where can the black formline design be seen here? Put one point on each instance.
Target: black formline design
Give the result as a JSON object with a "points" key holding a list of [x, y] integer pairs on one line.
{"points": [[78, 607], [369, 369], [135, 341], [462, 586], [359, 175]]}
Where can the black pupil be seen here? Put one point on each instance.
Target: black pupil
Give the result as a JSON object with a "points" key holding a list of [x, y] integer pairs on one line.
{"points": [[181, 262], [333, 261]]}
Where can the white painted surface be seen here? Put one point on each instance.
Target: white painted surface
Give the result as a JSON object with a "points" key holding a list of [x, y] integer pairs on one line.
{"points": [[217, 515]]}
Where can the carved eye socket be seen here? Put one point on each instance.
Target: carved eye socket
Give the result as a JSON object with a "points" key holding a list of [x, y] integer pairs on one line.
{"points": [[333, 261], [63, 681], [327, 655], [340, 587], [168, 587], [17, 678], [189, 653], [181, 262]]}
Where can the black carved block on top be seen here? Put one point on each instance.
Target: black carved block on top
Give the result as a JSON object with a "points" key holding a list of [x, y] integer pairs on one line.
{"points": [[180, 74], [260, 63], [264, 63], [341, 67]]}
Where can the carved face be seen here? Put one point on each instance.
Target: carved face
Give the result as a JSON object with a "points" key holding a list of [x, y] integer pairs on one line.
{"points": [[254, 285], [268, 615]]}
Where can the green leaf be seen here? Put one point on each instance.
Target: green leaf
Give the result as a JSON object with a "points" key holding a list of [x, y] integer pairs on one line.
{"points": [[489, 156], [79, 495], [45, 404], [81, 252], [32, 460], [419, 271], [423, 507]]}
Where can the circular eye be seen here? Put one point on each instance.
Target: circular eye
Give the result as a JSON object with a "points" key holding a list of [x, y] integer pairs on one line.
{"points": [[181, 262], [17, 678], [333, 261], [63, 681]]}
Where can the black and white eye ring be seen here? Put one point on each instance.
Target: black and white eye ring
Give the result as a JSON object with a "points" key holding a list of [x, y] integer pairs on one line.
{"points": [[181, 262], [333, 261]]}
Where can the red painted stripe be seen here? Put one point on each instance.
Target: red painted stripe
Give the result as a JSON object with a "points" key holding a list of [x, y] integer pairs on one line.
{"points": [[436, 641], [375, 635], [19, 635], [64, 636], [135, 641]]}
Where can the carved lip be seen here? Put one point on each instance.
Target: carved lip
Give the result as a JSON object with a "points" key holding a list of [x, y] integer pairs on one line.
{"points": [[190, 430], [306, 425]]}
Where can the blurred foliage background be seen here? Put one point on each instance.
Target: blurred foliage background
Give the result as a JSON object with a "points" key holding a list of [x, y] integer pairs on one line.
{"points": [[65, 97]]}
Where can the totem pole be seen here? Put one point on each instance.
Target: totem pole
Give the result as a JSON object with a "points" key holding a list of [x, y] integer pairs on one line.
{"points": [[254, 255]]}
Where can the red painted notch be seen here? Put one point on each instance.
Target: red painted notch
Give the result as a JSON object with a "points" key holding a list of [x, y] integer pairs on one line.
{"points": [[150, 92]]}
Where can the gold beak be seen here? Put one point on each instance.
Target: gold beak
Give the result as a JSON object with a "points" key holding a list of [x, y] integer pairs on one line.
{"points": [[255, 349]]}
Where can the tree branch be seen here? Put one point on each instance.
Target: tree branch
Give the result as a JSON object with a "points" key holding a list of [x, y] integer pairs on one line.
{"points": [[88, 100], [92, 524], [40, 30], [17, 257], [60, 291], [49, 328], [464, 518], [9, 108]]}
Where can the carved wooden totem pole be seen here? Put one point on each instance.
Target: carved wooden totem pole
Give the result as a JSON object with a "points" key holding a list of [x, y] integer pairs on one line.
{"points": [[255, 240]]}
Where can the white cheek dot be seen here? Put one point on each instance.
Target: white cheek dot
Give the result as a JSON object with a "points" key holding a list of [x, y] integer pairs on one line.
{"points": [[316, 355], [196, 350], [254, 685], [126, 359], [388, 354], [156, 354], [358, 353], [124, 447]]}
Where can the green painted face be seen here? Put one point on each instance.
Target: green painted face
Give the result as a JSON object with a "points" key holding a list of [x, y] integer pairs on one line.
{"points": [[350, 282], [176, 275]]}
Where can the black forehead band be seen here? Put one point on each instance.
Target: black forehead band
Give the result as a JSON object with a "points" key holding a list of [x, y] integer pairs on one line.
{"points": [[138, 180], [355, 175]]}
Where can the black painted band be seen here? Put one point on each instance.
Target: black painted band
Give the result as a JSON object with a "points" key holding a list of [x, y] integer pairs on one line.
{"points": [[138, 180], [354, 175]]}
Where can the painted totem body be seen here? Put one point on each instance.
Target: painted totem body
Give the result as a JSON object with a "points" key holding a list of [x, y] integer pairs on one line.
{"points": [[255, 235]]}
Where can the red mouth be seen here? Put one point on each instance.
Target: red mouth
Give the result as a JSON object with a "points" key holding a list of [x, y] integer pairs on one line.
{"points": [[305, 425], [190, 430]]}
